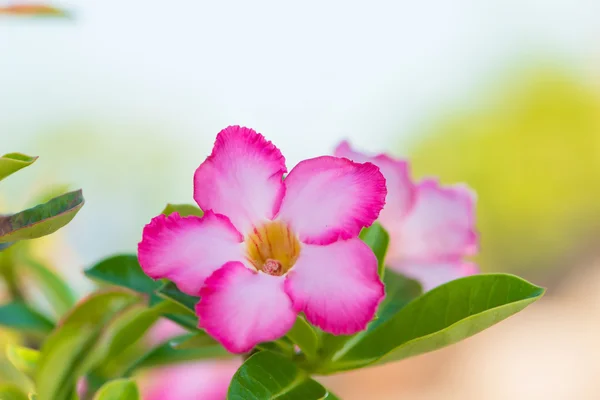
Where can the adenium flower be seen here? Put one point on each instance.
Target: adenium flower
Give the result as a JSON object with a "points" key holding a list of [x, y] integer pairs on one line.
{"points": [[189, 381], [431, 227], [206, 380], [267, 248]]}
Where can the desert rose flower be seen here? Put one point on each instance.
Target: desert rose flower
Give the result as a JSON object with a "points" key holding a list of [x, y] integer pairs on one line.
{"points": [[267, 248], [431, 227], [189, 381], [206, 380]]}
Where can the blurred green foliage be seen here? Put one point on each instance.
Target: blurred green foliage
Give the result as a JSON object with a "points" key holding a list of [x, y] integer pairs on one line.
{"points": [[532, 154]]}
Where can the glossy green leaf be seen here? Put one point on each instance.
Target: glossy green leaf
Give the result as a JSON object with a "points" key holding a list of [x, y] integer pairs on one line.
{"points": [[71, 345], [305, 337], [58, 293], [11, 392], [399, 291], [120, 389], [123, 270], [19, 316], [12, 162], [267, 375], [167, 354], [378, 240], [183, 209], [169, 291], [41, 220], [442, 316], [22, 358]]}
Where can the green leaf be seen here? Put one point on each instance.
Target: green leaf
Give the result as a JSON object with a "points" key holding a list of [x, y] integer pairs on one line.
{"points": [[123, 270], [305, 337], [399, 291], [71, 345], [11, 392], [120, 389], [167, 354], [41, 220], [195, 341], [124, 330], [183, 209], [378, 240], [24, 359], [60, 296], [442, 316], [169, 291], [12, 162], [19, 316], [267, 375]]}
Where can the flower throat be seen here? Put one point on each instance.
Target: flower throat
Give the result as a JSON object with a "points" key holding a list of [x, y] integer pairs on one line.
{"points": [[272, 248]]}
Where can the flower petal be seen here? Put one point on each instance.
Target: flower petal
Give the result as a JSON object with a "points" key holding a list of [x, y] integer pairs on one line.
{"points": [[242, 308], [400, 188], [432, 275], [187, 250], [440, 226], [242, 178], [330, 198], [336, 286]]}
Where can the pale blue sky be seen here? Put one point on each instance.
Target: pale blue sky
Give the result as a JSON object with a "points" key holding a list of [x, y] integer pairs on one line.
{"points": [[306, 74]]}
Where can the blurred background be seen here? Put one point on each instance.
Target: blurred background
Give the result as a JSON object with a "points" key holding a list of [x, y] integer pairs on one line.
{"points": [[124, 98]]}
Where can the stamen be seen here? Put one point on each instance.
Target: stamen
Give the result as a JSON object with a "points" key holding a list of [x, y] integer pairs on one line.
{"points": [[272, 267], [272, 248]]}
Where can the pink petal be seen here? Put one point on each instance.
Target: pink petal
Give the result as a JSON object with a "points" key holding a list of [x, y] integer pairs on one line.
{"points": [[189, 381], [242, 178], [187, 250], [164, 330], [330, 198], [336, 286], [242, 308], [441, 224], [400, 188], [432, 275]]}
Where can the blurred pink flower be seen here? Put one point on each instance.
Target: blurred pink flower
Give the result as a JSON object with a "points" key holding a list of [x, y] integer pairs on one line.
{"points": [[82, 387], [206, 380], [189, 381], [431, 227], [164, 330], [267, 248]]}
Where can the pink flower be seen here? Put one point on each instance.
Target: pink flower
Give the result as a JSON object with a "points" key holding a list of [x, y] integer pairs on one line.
{"points": [[207, 380], [431, 227], [267, 248], [189, 381], [163, 330]]}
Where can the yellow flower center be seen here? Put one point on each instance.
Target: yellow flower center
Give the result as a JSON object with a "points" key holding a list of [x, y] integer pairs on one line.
{"points": [[272, 248]]}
